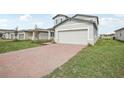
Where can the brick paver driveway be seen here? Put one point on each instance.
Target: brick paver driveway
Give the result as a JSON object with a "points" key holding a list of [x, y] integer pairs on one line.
{"points": [[36, 62]]}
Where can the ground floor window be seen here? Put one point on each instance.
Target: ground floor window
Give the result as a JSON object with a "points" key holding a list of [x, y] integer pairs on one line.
{"points": [[52, 34], [120, 34], [21, 36], [0, 35], [12, 36]]}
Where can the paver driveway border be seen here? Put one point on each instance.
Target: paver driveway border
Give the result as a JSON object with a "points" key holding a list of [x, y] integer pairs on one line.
{"points": [[36, 62]]}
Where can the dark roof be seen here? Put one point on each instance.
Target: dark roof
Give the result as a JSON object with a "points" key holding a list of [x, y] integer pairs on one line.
{"points": [[7, 30], [119, 29], [87, 16], [60, 15], [26, 30], [77, 20], [31, 30], [50, 28]]}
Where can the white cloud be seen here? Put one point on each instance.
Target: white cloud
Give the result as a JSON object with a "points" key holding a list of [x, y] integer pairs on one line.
{"points": [[109, 24], [52, 15], [3, 23], [38, 23], [119, 15], [26, 17], [3, 20], [111, 21]]}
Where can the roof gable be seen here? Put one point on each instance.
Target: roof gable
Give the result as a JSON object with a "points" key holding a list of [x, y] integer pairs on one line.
{"points": [[90, 16], [60, 15], [80, 20]]}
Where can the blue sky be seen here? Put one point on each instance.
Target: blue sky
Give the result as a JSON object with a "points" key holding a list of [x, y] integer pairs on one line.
{"points": [[108, 22]]}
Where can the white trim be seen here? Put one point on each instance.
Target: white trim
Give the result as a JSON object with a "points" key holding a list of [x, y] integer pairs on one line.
{"points": [[88, 34], [33, 35], [24, 36], [73, 30], [49, 35]]}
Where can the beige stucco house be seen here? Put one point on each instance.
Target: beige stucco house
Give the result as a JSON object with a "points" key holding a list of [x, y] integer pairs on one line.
{"points": [[79, 29], [107, 36], [7, 33], [28, 34], [36, 34], [119, 34]]}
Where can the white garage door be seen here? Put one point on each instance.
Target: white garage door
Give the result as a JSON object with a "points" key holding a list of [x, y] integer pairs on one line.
{"points": [[73, 37]]}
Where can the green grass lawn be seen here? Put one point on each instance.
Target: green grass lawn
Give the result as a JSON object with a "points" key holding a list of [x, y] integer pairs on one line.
{"points": [[8, 45], [105, 59]]}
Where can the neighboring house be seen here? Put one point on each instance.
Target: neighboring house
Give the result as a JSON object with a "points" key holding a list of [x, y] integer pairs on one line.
{"points": [[36, 34], [119, 34], [107, 36], [1, 34], [8, 33], [29, 34], [79, 29]]}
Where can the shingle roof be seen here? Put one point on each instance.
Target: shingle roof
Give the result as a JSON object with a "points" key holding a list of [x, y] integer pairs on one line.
{"points": [[7, 29], [119, 29], [31, 30], [60, 15]]}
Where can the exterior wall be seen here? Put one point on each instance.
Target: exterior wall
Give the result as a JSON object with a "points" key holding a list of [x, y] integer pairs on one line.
{"points": [[72, 25], [12, 36], [43, 35], [3, 36], [23, 35], [19, 37], [119, 35], [37, 35], [9, 35], [96, 37], [59, 19], [28, 35], [93, 35]]}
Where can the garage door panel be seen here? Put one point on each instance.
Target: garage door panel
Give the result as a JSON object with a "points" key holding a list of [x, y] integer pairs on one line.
{"points": [[73, 37]]}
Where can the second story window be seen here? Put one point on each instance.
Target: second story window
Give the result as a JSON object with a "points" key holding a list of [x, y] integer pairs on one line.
{"points": [[120, 34], [56, 21], [52, 34], [61, 19]]}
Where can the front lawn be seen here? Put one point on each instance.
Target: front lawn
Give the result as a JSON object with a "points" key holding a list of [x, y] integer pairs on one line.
{"points": [[105, 59], [9, 45]]}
